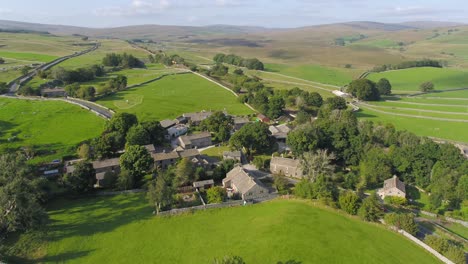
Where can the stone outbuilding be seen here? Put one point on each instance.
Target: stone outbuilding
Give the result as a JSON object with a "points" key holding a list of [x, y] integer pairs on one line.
{"points": [[287, 167], [392, 187], [200, 140], [239, 182]]}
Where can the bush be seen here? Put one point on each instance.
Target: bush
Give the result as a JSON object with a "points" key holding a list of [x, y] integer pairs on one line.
{"points": [[216, 195], [402, 221], [349, 202], [370, 209], [281, 184], [396, 200], [426, 87]]}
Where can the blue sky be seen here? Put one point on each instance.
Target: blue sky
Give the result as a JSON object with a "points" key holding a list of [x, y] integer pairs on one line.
{"points": [[273, 13]]}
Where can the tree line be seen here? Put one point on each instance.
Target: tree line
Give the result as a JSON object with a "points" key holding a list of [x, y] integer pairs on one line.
{"points": [[409, 64], [124, 61], [251, 64]]}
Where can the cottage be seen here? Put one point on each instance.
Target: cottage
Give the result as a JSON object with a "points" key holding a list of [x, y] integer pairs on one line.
{"points": [[263, 118], [239, 182], [280, 132], [188, 153], [392, 187], [200, 140], [234, 155], [177, 131], [239, 122], [203, 185], [55, 92], [104, 166], [196, 118], [165, 159], [166, 124], [286, 167]]}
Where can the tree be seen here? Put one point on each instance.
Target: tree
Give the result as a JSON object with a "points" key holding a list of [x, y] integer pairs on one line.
{"points": [[276, 105], [364, 89], [216, 194], [156, 132], [121, 122], [303, 117], [138, 135], [255, 137], [219, 124], [84, 151], [336, 102], [109, 181], [20, 195], [229, 260], [402, 221], [426, 87], [160, 193], [184, 172], [370, 209], [349, 202], [374, 168], [2, 61], [137, 161], [25, 70], [281, 184], [82, 179], [307, 137], [219, 70], [117, 83], [125, 180], [384, 87], [3, 88], [319, 163]]}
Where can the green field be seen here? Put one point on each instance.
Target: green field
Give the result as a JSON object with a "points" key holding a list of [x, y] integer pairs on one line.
{"points": [[25, 56], [410, 79], [50, 126], [122, 229], [172, 96]]}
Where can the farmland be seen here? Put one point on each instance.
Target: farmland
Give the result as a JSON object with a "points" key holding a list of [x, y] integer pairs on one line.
{"points": [[173, 95], [271, 232], [52, 127]]}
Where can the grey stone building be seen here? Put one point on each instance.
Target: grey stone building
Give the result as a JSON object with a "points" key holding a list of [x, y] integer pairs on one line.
{"points": [[286, 167], [239, 182], [200, 140]]}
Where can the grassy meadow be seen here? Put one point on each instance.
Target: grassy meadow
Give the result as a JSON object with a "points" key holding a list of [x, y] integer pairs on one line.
{"points": [[122, 229], [53, 127], [172, 96], [410, 79]]}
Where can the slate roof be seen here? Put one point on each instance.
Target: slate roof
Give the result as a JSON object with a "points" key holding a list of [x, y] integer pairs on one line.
{"points": [[394, 182], [232, 154], [197, 117], [242, 181], [188, 139], [106, 163], [199, 184], [167, 123], [165, 156], [285, 162], [189, 153]]}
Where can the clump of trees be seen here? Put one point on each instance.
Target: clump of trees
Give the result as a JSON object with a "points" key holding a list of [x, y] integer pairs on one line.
{"points": [[83, 92], [364, 89], [409, 64], [75, 75], [446, 247], [252, 64], [122, 60], [254, 137], [402, 221], [2, 61], [82, 179], [3, 88], [161, 57], [220, 125]]}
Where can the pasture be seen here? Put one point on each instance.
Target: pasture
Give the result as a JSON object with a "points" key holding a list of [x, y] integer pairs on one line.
{"points": [[52, 127], [410, 79], [172, 96], [122, 229]]}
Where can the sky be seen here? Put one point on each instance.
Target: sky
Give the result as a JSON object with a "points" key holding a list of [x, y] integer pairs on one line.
{"points": [[266, 13]]}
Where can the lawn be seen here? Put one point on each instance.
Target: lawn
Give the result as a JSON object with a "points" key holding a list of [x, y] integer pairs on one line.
{"points": [[51, 126], [410, 79], [172, 96], [422, 127], [317, 73], [121, 229], [33, 57]]}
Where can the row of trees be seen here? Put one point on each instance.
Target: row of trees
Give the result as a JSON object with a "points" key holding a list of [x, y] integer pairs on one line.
{"points": [[161, 57], [365, 89], [2, 61], [409, 64], [376, 152], [72, 76], [122, 60], [252, 64], [79, 91]]}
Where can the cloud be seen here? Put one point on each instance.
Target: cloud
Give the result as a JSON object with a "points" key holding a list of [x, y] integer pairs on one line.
{"points": [[5, 11], [136, 7]]}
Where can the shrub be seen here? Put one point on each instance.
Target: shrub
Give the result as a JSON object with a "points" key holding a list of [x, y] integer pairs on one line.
{"points": [[395, 200], [216, 195], [349, 202]]}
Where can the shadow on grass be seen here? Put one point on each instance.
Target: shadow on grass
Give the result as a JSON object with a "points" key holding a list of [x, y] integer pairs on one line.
{"points": [[59, 258], [360, 114]]}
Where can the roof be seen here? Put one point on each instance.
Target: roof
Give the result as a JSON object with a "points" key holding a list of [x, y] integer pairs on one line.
{"points": [[199, 116], [241, 180], [53, 90], [394, 182], [165, 156], [198, 184], [150, 148], [235, 154], [280, 131], [167, 123], [285, 162], [106, 163], [188, 153], [241, 120], [188, 139]]}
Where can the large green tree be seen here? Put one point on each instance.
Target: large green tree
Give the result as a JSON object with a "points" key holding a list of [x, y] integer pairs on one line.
{"points": [[219, 124], [82, 179], [184, 172], [138, 135], [216, 194], [349, 202], [20, 195], [121, 122], [254, 137], [364, 89], [318, 163], [137, 161], [160, 193], [371, 209], [384, 86]]}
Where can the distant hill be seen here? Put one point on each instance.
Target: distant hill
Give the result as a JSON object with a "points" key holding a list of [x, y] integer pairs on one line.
{"points": [[431, 24]]}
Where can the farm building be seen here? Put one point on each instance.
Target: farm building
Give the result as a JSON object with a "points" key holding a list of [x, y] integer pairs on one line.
{"points": [[166, 124], [203, 185], [239, 182], [55, 92], [280, 132], [263, 118], [286, 167], [392, 187], [340, 93], [234, 155], [239, 122], [200, 140], [196, 118], [177, 131], [165, 159], [150, 148], [103, 166]]}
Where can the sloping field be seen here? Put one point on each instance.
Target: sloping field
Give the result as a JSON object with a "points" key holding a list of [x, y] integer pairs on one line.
{"points": [[50, 126], [174, 95], [122, 229], [411, 79]]}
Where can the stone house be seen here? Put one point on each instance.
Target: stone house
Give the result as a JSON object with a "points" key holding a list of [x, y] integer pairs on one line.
{"points": [[103, 166], [234, 155], [200, 140], [203, 185], [165, 159], [239, 182], [177, 131], [239, 122], [392, 187], [53, 92], [280, 132], [287, 167], [196, 118]]}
